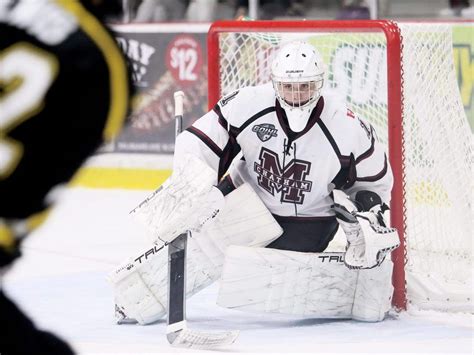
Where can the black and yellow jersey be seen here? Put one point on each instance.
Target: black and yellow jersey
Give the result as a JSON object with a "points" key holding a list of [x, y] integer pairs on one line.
{"points": [[64, 89]]}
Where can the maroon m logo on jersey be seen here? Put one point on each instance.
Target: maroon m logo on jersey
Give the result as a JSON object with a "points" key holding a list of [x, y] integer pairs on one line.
{"points": [[289, 180]]}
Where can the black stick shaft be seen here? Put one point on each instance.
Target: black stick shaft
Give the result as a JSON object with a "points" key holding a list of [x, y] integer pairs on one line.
{"points": [[177, 248]]}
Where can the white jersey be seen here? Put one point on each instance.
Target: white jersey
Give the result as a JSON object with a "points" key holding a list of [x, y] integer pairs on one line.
{"points": [[293, 173]]}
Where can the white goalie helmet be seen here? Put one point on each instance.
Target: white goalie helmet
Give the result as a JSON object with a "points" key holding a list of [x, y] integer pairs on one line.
{"points": [[298, 76]]}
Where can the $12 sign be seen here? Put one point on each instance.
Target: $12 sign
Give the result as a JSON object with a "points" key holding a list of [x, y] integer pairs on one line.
{"points": [[184, 59]]}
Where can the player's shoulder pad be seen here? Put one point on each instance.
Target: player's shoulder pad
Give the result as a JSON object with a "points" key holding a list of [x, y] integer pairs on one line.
{"points": [[347, 129], [240, 105]]}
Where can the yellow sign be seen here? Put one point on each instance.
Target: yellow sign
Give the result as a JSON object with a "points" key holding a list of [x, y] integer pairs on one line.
{"points": [[463, 50]]}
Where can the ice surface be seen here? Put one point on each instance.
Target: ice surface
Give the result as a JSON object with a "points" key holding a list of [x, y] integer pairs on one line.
{"points": [[61, 283]]}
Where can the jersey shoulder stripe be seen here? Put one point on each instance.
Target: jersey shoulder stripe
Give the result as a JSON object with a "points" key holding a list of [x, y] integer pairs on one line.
{"points": [[255, 117], [230, 151], [206, 140], [235, 131], [115, 62], [377, 176], [368, 152]]}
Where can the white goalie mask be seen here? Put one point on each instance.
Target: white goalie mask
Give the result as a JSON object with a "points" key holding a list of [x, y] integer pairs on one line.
{"points": [[298, 76]]}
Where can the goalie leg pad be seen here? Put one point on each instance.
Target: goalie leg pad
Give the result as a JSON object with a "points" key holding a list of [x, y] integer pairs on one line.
{"points": [[142, 293], [287, 282], [134, 300], [316, 285], [373, 296], [140, 284]]}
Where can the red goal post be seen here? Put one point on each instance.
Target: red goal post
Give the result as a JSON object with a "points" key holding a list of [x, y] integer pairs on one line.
{"points": [[239, 53]]}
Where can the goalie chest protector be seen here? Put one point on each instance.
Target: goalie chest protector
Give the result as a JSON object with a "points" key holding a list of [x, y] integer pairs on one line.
{"points": [[294, 173]]}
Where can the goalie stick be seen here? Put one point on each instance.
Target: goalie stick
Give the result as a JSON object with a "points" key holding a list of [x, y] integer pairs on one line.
{"points": [[177, 332]]}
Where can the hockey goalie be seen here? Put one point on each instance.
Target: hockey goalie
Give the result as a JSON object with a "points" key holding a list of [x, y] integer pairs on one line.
{"points": [[255, 181]]}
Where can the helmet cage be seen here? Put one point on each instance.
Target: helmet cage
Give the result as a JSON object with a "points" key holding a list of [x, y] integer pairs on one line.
{"points": [[298, 93]]}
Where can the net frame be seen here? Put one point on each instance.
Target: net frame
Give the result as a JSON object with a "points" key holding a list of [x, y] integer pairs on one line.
{"points": [[397, 39], [394, 105]]}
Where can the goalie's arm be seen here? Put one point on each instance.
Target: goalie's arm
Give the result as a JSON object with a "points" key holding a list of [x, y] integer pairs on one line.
{"points": [[372, 170], [209, 140]]}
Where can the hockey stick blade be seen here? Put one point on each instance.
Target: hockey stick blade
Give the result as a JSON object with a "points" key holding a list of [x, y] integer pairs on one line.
{"points": [[187, 338]]}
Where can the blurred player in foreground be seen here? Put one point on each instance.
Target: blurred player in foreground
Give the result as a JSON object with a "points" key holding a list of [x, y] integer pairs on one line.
{"points": [[287, 147], [64, 88]]}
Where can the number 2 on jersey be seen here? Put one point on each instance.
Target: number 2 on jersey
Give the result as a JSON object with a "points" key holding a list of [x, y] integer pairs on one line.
{"points": [[26, 74]]}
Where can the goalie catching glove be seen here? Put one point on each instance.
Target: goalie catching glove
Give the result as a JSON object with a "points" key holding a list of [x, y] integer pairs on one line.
{"points": [[368, 239]]}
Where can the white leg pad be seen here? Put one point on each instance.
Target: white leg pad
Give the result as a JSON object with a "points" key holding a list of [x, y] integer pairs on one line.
{"points": [[134, 294], [374, 290], [316, 285], [140, 284]]}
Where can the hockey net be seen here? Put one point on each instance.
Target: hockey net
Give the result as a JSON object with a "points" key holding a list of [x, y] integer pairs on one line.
{"points": [[400, 77]]}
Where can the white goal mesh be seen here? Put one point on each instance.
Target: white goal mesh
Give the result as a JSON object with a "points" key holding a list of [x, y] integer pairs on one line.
{"points": [[437, 140], [438, 146]]}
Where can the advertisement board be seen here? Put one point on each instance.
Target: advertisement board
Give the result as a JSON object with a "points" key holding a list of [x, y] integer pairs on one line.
{"points": [[164, 59]]}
